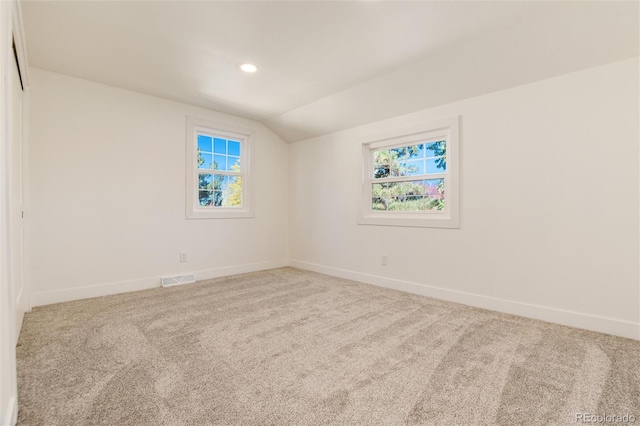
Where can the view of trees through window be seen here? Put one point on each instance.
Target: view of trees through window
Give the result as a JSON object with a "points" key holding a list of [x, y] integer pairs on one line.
{"points": [[222, 189], [410, 178]]}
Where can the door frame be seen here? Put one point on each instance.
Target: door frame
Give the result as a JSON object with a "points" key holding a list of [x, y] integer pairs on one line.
{"points": [[11, 31], [18, 38], [22, 299]]}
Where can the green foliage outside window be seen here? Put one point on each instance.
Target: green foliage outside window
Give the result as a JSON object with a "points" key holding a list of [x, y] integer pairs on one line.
{"points": [[410, 195], [219, 190]]}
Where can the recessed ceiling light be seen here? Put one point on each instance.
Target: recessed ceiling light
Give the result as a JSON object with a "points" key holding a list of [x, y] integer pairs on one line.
{"points": [[248, 68]]}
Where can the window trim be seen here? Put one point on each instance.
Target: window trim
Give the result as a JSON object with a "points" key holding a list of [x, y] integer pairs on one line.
{"points": [[246, 137], [447, 129]]}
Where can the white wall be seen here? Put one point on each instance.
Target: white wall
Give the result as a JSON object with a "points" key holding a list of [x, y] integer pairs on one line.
{"points": [[549, 205], [108, 194]]}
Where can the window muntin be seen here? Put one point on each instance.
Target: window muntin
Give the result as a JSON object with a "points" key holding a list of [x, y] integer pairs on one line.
{"points": [[410, 177], [217, 170]]}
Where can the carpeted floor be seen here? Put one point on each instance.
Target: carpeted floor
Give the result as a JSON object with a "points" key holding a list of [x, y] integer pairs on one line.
{"points": [[290, 347]]}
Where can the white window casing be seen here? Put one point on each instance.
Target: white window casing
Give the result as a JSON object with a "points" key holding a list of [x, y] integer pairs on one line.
{"points": [[447, 130], [198, 126]]}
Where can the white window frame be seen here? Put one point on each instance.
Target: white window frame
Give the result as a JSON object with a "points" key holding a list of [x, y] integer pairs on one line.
{"points": [[246, 138], [447, 130]]}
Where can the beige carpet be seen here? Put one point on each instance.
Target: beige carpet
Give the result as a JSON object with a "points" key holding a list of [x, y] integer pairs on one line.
{"points": [[290, 347]]}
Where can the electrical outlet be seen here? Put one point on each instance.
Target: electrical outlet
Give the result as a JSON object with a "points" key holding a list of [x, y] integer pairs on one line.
{"points": [[183, 256], [384, 260]]}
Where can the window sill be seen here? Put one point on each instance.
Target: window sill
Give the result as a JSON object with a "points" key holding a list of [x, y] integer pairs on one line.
{"points": [[220, 214], [411, 220]]}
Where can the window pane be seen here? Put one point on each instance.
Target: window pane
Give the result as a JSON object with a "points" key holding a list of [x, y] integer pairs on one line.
{"points": [[234, 148], [206, 198], [219, 146], [217, 198], [205, 181], [234, 164], [204, 143], [417, 195], [218, 182], [219, 162], [232, 192], [381, 171], [377, 204], [397, 170], [436, 149], [204, 161], [412, 168], [380, 196], [415, 151], [434, 189], [437, 165]]}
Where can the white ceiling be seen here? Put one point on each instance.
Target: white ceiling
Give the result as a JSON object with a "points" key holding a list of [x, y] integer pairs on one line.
{"points": [[324, 66]]}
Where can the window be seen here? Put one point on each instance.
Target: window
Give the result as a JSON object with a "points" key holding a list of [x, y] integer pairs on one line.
{"points": [[410, 177], [218, 172]]}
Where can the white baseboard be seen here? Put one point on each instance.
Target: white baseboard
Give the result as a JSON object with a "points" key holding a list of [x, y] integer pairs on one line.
{"points": [[10, 415], [559, 316], [613, 326], [77, 293]]}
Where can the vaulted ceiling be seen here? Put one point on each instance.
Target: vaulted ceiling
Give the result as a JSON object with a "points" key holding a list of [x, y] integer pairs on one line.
{"points": [[324, 66]]}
